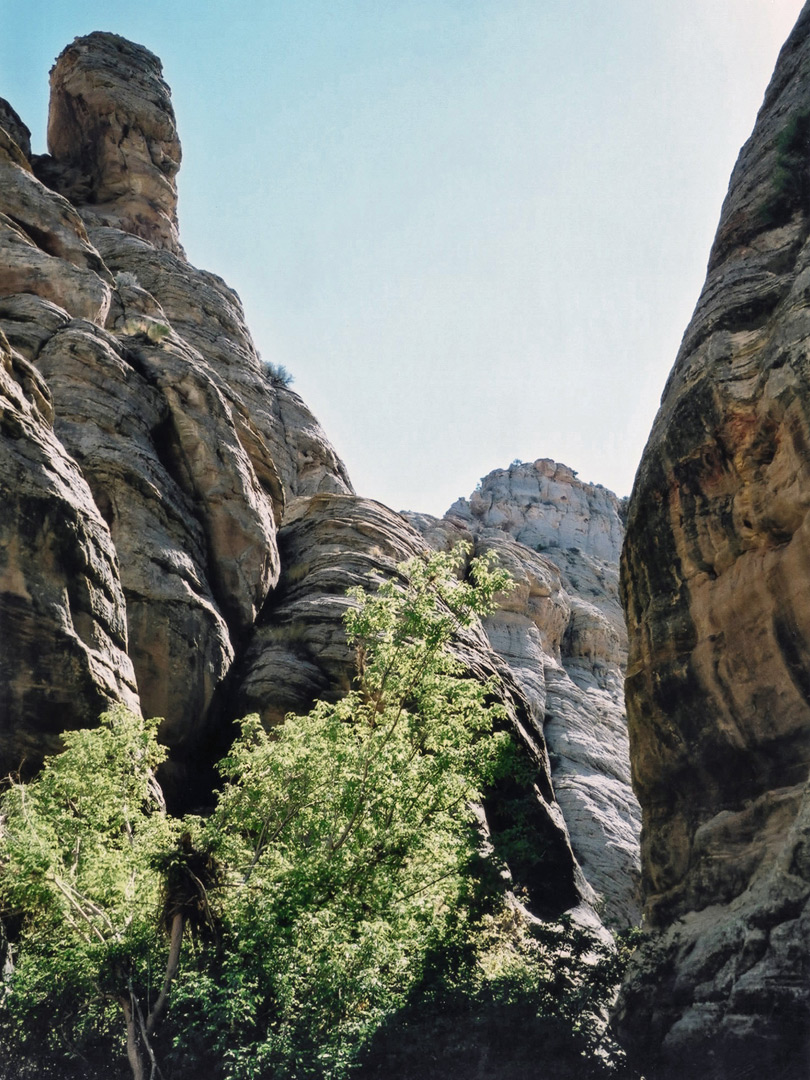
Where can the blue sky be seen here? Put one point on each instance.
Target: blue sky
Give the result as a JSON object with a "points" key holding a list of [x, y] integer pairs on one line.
{"points": [[474, 230]]}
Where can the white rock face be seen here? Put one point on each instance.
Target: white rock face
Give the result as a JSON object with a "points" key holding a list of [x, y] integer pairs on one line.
{"points": [[562, 633], [543, 505]]}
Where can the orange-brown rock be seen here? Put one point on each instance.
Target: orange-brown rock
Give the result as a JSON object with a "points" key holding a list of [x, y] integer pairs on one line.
{"points": [[716, 582], [63, 634], [112, 137]]}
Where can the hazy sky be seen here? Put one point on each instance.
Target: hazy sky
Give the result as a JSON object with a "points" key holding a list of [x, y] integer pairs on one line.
{"points": [[474, 230]]}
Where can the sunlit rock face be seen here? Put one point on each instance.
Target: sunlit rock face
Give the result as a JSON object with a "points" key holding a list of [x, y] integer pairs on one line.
{"points": [[151, 452], [561, 631], [112, 137], [716, 584], [545, 506], [177, 530]]}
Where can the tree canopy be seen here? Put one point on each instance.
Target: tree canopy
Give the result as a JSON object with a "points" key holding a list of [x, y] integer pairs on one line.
{"points": [[274, 936]]}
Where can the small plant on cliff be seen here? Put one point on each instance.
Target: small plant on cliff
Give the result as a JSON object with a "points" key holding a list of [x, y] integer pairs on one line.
{"points": [[125, 279], [790, 180], [277, 373]]}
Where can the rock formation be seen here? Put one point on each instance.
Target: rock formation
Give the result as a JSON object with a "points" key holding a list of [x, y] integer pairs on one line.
{"points": [[562, 634], [162, 434], [62, 611], [178, 534], [716, 584], [112, 138], [177, 531]]}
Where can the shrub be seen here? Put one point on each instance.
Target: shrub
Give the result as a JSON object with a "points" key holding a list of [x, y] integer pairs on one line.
{"points": [[277, 373], [790, 182], [124, 279]]}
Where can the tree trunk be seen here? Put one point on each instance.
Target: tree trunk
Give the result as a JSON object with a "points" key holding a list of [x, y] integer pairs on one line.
{"points": [[139, 1029], [136, 1062], [172, 963]]}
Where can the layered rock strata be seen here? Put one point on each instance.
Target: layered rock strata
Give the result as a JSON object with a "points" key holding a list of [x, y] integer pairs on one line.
{"points": [[562, 634], [142, 378], [716, 584], [62, 611], [176, 530]]}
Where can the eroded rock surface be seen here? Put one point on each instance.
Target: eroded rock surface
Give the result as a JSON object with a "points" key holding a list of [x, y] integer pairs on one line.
{"points": [[63, 633], [15, 129], [149, 392], [716, 581], [112, 137], [545, 506], [562, 634], [44, 243]]}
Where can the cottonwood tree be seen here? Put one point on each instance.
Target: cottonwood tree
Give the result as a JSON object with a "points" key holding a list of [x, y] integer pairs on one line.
{"points": [[348, 836], [336, 856], [81, 891]]}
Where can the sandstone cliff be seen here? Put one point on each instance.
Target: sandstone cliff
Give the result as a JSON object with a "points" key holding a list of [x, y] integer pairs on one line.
{"points": [[716, 582], [562, 634], [144, 527], [177, 532]]}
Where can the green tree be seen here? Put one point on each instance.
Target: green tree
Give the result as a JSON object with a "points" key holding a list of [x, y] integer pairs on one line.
{"points": [[81, 891], [339, 886], [336, 854], [347, 835]]}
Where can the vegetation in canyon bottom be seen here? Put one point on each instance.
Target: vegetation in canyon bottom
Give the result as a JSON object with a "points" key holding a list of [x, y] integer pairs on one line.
{"points": [[339, 886]]}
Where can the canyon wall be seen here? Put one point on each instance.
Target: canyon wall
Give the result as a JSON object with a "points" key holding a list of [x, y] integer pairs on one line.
{"points": [[179, 535], [562, 635], [716, 585], [150, 452]]}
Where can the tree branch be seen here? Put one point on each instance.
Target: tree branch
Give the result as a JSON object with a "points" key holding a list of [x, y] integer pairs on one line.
{"points": [[172, 963], [133, 1053], [155, 1071]]}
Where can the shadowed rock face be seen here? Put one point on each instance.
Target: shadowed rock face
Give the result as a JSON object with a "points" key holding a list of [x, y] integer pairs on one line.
{"points": [[716, 583], [62, 614], [15, 129], [46, 251]]}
